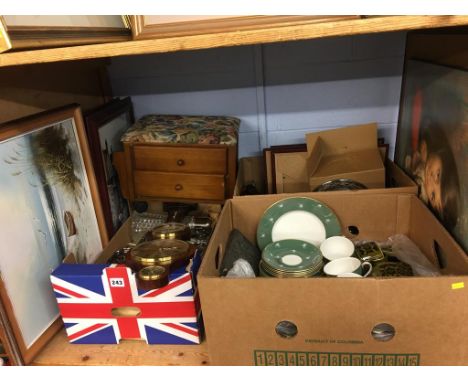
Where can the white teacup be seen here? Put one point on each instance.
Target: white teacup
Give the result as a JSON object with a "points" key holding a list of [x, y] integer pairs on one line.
{"points": [[347, 265], [336, 247]]}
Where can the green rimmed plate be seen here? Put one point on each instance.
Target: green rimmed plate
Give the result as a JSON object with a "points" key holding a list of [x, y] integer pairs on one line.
{"points": [[298, 218], [292, 256]]}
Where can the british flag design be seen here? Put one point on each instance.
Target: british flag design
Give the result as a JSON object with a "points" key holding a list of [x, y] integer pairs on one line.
{"points": [[89, 295]]}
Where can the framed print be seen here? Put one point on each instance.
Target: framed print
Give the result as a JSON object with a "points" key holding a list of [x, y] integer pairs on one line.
{"points": [[105, 126], [46, 31], [49, 213], [432, 141], [154, 26]]}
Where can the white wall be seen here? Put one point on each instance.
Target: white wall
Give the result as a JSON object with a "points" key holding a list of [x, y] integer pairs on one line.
{"points": [[279, 91]]}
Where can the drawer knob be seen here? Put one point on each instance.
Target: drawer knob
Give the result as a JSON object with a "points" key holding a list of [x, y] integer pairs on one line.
{"points": [[180, 162], [178, 187]]}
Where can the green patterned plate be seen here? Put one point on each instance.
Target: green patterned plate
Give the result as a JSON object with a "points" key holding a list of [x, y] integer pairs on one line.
{"points": [[292, 256], [297, 218]]}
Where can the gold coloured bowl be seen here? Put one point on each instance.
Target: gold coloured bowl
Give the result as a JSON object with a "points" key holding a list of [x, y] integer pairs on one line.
{"points": [[171, 231], [160, 252]]}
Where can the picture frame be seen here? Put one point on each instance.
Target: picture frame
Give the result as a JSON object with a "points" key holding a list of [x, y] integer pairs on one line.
{"points": [[105, 126], [431, 141], [9, 352], [154, 26], [50, 213], [20, 32], [270, 162]]}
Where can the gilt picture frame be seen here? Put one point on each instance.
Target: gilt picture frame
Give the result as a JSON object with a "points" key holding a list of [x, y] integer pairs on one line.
{"points": [[155, 26], [50, 213], [19, 32]]}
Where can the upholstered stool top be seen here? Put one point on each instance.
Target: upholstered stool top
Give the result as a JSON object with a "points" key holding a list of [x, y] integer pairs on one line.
{"points": [[184, 129]]}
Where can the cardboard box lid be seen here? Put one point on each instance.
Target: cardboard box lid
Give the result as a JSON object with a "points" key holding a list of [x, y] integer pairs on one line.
{"points": [[340, 141], [363, 160]]}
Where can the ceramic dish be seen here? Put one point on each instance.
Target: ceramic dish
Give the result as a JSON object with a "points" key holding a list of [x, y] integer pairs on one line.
{"points": [[265, 271], [298, 218], [340, 184], [291, 255]]}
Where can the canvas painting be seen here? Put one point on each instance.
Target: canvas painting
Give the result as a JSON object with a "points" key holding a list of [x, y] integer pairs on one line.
{"points": [[46, 214], [432, 141]]}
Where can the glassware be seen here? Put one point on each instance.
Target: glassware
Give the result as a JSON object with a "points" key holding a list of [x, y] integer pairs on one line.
{"points": [[143, 222]]}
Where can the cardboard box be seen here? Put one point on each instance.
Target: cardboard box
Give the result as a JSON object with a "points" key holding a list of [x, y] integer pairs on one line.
{"points": [[251, 171], [291, 175], [335, 317], [346, 153], [101, 304]]}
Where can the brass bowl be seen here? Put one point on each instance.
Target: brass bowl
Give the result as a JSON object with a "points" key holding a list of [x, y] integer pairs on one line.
{"points": [[152, 277], [170, 231], [160, 252]]}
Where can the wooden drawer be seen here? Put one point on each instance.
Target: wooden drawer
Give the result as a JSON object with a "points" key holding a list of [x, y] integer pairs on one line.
{"points": [[178, 186], [198, 160]]}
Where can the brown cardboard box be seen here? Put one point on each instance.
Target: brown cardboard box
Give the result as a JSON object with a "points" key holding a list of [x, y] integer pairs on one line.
{"points": [[335, 317], [346, 153], [251, 171], [291, 175]]}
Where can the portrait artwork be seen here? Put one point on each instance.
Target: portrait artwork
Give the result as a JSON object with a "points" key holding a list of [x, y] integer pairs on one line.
{"points": [[432, 141]]}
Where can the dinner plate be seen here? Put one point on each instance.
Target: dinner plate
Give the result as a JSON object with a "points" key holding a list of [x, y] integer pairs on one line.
{"points": [[299, 218]]}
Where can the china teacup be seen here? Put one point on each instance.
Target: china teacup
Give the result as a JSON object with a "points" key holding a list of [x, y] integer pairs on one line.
{"points": [[336, 247], [347, 265]]}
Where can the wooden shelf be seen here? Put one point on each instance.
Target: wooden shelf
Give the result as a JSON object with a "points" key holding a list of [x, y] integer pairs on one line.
{"points": [[59, 352], [308, 30]]}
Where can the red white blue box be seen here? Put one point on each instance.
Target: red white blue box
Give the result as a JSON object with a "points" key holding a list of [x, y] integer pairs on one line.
{"points": [[89, 295]]}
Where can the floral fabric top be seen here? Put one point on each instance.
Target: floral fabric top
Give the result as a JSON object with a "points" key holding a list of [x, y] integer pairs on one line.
{"points": [[185, 129]]}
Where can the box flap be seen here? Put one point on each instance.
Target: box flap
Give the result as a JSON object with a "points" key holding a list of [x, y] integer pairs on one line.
{"points": [[315, 152], [345, 139], [335, 165]]}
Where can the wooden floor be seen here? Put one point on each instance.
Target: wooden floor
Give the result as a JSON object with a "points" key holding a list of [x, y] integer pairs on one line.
{"points": [[59, 352]]}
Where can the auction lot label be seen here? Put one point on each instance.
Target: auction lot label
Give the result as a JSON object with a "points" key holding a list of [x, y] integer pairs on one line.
{"points": [[292, 358]]}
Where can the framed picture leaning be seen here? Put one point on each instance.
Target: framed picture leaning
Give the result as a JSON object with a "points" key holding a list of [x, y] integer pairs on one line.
{"points": [[432, 140], [105, 126], [50, 212]]}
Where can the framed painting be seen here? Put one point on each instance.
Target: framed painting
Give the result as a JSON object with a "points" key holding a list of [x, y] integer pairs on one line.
{"points": [[50, 213], [105, 126], [47, 31], [432, 140]]}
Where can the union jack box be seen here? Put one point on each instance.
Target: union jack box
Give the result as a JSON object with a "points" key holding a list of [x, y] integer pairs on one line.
{"points": [[92, 297]]}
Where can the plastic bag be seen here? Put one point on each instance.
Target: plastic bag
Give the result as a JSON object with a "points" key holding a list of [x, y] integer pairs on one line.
{"points": [[408, 252], [241, 269]]}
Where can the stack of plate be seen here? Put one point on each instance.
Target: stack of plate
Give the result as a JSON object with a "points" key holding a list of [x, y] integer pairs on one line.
{"points": [[289, 235], [291, 258]]}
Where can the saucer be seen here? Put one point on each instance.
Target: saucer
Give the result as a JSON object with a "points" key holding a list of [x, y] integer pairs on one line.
{"points": [[292, 256], [297, 218]]}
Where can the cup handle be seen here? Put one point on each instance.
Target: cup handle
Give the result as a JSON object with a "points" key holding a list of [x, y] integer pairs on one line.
{"points": [[364, 264]]}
